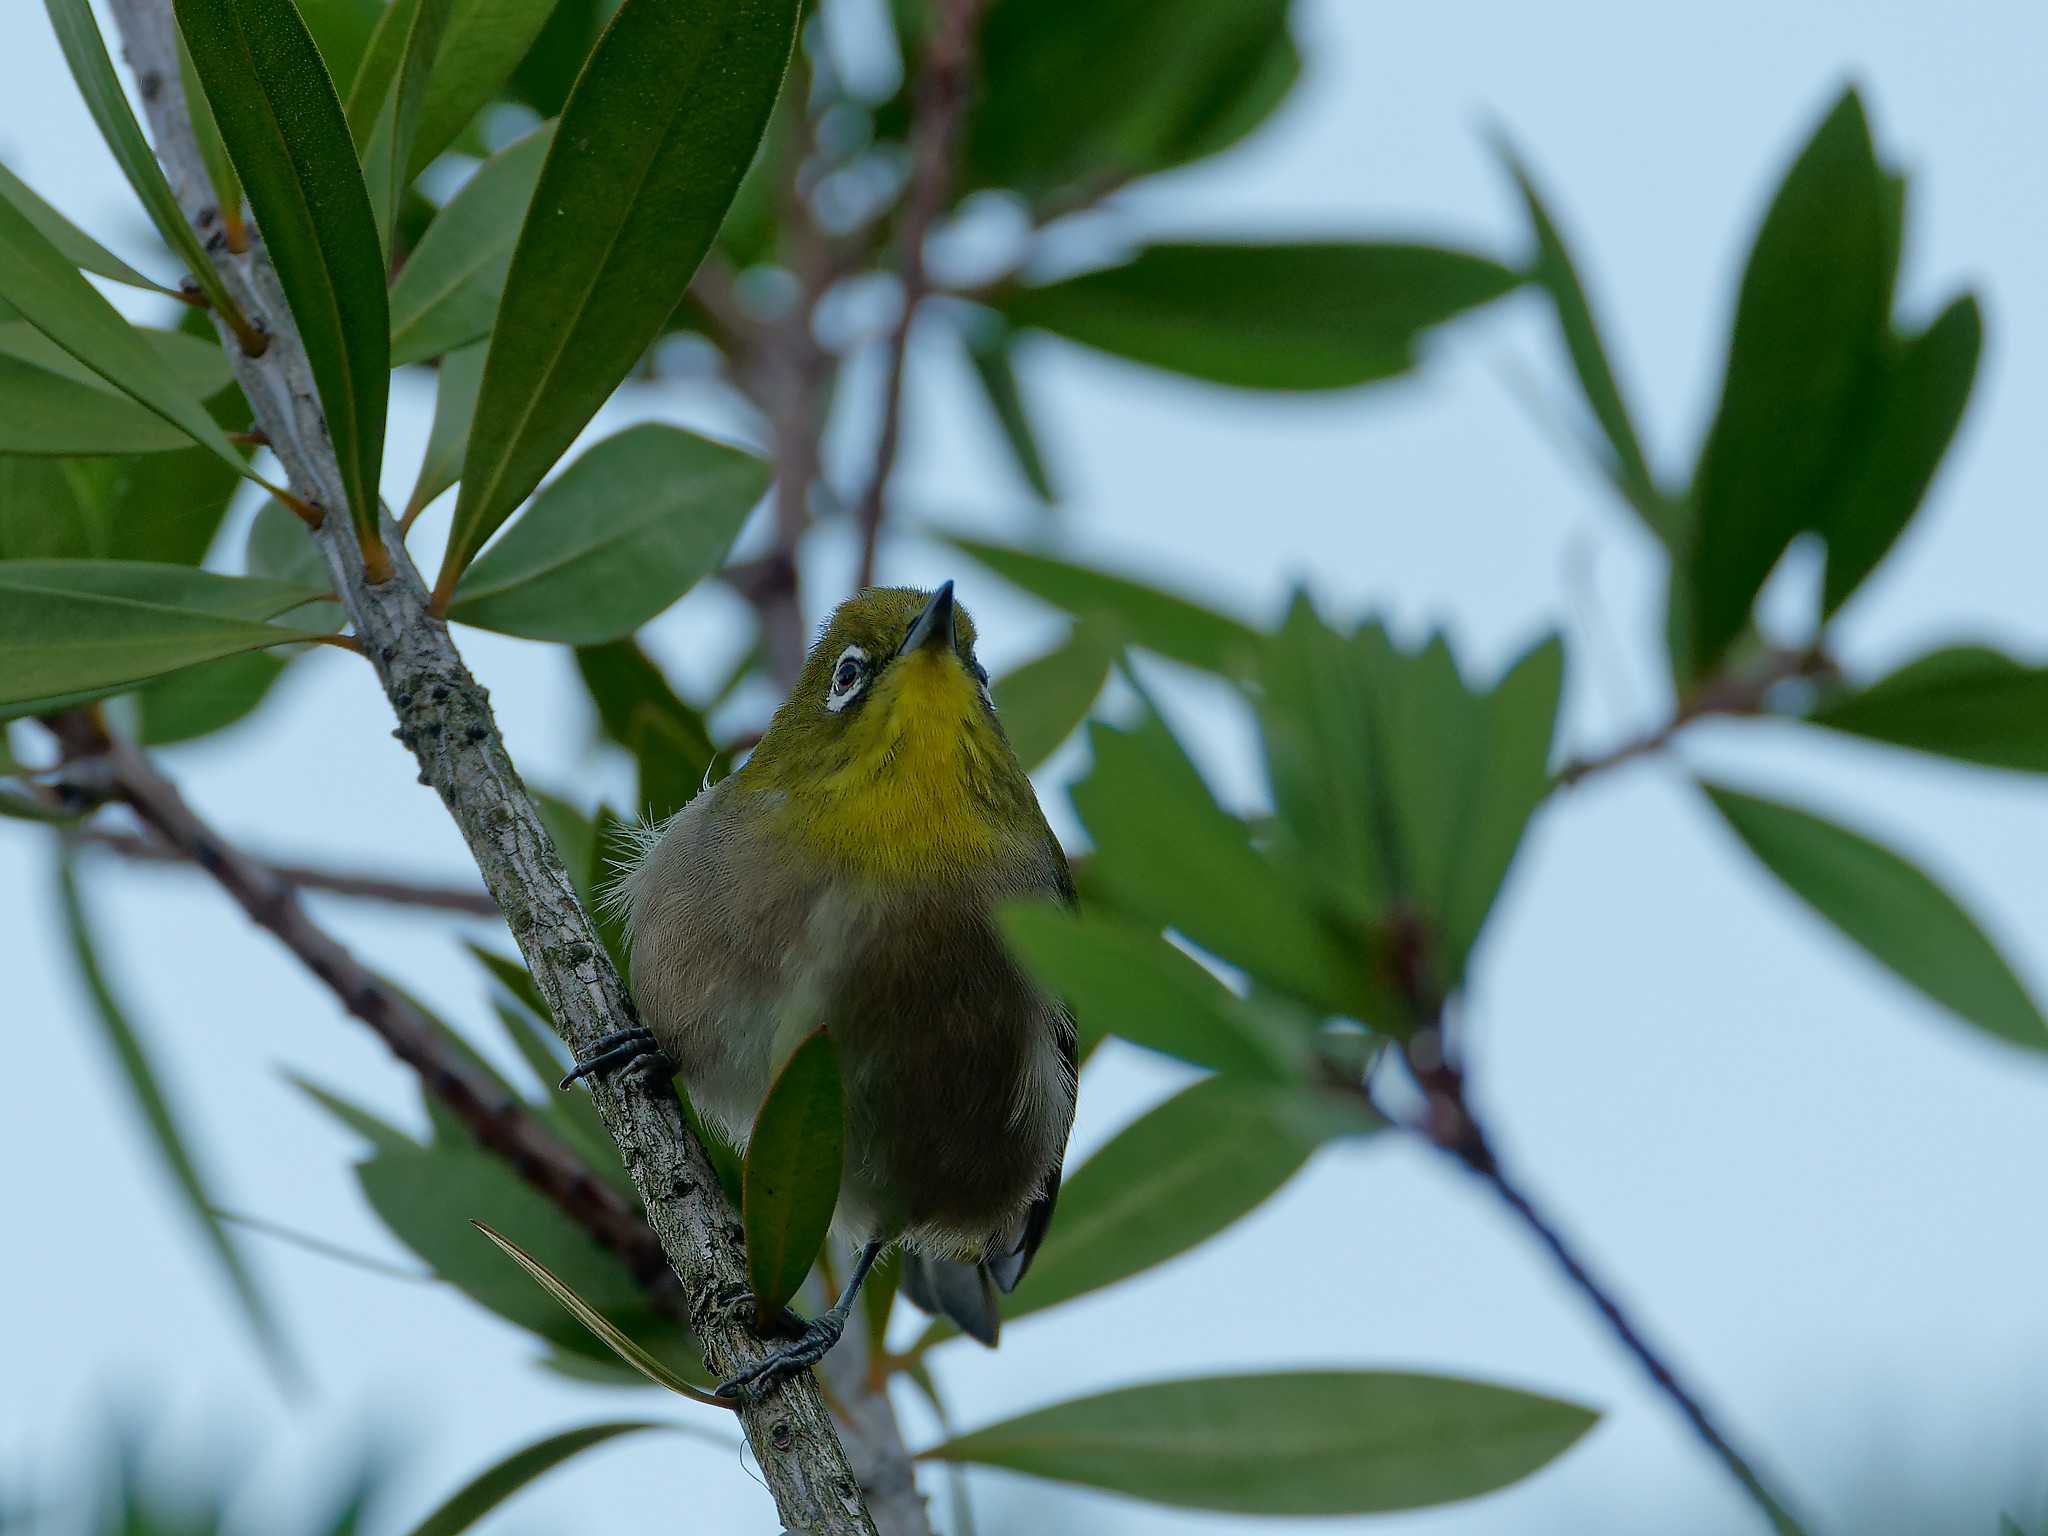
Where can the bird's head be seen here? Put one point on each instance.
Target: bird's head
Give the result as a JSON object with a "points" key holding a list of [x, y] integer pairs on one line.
{"points": [[888, 752]]}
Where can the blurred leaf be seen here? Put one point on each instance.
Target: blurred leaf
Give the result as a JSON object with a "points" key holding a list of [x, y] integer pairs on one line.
{"points": [[1294, 1443], [284, 128], [76, 247], [201, 700], [93, 71], [37, 279], [446, 295], [613, 1338], [1166, 851], [1132, 983], [71, 626], [1280, 316], [611, 843], [44, 412], [341, 29], [878, 1300], [622, 533], [1044, 701], [1900, 917], [458, 378], [1125, 610], [1809, 320], [1558, 275], [790, 1177], [48, 512], [990, 349], [500, 1481], [1926, 382], [483, 40], [1966, 702], [220, 169], [385, 101], [150, 1099], [661, 126], [379, 1133], [638, 709]]}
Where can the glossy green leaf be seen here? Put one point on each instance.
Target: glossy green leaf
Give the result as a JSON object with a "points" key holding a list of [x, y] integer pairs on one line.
{"points": [[1143, 989], [483, 41], [991, 353], [458, 378], [447, 293], [504, 1478], [1809, 322], [1290, 1443], [1558, 276], [1966, 702], [285, 131], [386, 98], [1926, 381], [93, 71], [196, 365], [72, 626], [1293, 317], [661, 126], [637, 521], [78, 249], [1044, 701], [1124, 609], [638, 709], [791, 1174], [171, 1147], [1900, 917], [40, 282]]}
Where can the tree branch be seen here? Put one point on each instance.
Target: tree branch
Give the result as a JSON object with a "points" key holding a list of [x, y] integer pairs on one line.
{"points": [[943, 88], [445, 719]]}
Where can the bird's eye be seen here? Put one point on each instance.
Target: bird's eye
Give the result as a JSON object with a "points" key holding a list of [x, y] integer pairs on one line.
{"points": [[849, 675]]}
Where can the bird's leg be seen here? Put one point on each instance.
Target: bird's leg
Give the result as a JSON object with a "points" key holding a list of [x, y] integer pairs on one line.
{"points": [[622, 1050], [817, 1339]]}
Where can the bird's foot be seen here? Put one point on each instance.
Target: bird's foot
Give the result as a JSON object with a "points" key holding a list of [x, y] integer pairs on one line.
{"points": [[800, 1354], [624, 1050]]}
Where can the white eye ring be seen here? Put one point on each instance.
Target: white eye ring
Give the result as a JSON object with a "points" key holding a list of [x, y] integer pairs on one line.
{"points": [[837, 694]]}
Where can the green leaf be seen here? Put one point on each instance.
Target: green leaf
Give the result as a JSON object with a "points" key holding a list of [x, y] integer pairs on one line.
{"points": [[1809, 322], [1124, 609], [502, 1479], [638, 709], [40, 282], [790, 1178], [76, 247], [1281, 316], [1926, 386], [72, 626], [483, 41], [447, 293], [460, 375], [1292, 1443], [1165, 850], [990, 350], [202, 700], [386, 98], [220, 170], [614, 1338], [1131, 982], [155, 1106], [1558, 276], [284, 128], [86, 52], [661, 126], [1044, 701], [1966, 702], [45, 412], [1898, 915], [633, 524]]}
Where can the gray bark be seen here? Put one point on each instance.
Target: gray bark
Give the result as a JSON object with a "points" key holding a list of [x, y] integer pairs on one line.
{"points": [[445, 719]]}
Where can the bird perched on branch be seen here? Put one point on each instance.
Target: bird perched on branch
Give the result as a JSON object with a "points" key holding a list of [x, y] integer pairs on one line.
{"points": [[848, 875]]}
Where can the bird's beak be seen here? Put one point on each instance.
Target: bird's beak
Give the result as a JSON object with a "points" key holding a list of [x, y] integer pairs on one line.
{"points": [[934, 627]]}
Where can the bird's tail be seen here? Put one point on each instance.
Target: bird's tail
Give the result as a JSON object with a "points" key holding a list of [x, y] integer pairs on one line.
{"points": [[966, 1293]]}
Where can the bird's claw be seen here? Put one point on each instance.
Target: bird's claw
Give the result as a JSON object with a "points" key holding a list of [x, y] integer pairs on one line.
{"points": [[623, 1050], [800, 1354]]}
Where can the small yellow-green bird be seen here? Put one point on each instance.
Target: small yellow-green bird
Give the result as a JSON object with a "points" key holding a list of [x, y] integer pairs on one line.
{"points": [[848, 875]]}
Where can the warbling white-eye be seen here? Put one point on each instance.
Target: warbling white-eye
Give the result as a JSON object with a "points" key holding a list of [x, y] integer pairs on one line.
{"points": [[848, 876]]}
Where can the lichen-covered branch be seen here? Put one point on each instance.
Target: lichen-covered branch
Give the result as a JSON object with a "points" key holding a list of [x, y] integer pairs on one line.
{"points": [[445, 720]]}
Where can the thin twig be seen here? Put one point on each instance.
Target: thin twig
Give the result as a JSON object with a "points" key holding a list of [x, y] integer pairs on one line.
{"points": [[470, 900], [944, 85]]}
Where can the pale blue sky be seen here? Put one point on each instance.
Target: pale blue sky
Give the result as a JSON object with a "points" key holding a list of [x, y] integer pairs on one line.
{"points": [[1821, 1194]]}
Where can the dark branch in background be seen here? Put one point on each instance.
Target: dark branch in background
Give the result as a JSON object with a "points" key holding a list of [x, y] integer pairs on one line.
{"points": [[473, 901], [1726, 693], [944, 86]]}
